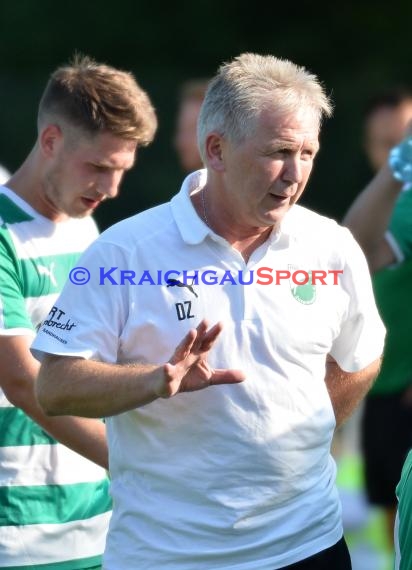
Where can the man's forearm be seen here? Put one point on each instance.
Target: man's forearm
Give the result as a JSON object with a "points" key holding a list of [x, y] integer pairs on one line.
{"points": [[84, 436], [347, 389], [18, 381], [368, 217], [75, 386], [93, 389]]}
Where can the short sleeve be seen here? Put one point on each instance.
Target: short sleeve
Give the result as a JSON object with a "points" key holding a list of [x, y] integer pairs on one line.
{"points": [[14, 319], [89, 315], [362, 334]]}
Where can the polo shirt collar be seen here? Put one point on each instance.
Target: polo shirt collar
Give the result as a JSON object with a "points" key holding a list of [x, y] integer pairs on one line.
{"points": [[192, 228]]}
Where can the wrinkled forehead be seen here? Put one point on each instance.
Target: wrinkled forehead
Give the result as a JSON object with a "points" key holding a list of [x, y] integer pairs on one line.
{"points": [[295, 111], [301, 123]]}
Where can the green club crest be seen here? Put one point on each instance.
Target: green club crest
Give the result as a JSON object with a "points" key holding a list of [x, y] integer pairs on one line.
{"points": [[305, 292]]}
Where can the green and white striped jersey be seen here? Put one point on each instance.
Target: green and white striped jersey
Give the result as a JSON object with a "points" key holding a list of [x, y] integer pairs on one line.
{"points": [[403, 525], [54, 504]]}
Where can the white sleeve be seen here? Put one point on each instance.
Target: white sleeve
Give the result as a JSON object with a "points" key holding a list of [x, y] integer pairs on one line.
{"points": [[362, 334], [88, 317]]}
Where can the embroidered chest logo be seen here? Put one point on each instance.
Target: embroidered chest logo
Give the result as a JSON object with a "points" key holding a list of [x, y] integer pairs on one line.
{"points": [[301, 285], [176, 283], [183, 309]]}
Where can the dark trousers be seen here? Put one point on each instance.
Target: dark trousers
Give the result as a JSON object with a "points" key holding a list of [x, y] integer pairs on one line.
{"points": [[334, 558]]}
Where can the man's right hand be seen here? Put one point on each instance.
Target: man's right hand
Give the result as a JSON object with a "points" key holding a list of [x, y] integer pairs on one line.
{"points": [[188, 369]]}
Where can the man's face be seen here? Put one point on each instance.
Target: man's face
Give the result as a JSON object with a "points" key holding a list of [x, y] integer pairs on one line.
{"points": [[265, 174], [81, 172], [384, 129]]}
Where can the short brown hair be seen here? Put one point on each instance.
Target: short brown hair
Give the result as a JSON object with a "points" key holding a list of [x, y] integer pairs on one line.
{"points": [[96, 97]]}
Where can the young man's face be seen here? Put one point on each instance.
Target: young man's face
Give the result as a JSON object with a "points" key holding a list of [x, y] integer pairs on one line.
{"points": [[82, 172]]}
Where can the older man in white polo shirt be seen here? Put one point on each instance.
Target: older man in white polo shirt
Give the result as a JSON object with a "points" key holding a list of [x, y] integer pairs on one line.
{"points": [[237, 476]]}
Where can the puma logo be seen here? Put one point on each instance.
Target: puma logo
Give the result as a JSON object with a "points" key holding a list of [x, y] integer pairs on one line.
{"points": [[43, 270], [177, 283]]}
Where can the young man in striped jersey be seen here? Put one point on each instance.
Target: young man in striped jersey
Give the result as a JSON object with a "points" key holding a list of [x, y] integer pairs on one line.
{"points": [[54, 502]]}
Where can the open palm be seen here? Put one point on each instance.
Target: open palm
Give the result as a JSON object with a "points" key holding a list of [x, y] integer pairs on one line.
{"points": [[188, 369]]}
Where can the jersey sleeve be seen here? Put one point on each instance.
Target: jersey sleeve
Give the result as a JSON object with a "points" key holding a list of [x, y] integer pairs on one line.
{"points": [[90, 313], [361, 337], [14, 318]]}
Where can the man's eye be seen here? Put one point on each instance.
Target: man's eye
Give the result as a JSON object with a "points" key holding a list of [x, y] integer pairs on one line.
{"points": [[307, 154], [100, 168], [281, 151]]}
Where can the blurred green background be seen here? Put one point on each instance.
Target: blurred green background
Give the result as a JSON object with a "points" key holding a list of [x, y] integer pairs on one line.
{"points": [[356, 48]]}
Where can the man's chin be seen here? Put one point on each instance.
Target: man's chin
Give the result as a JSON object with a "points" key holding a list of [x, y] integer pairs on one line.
{"points": [[274, 217], [79, 214]]}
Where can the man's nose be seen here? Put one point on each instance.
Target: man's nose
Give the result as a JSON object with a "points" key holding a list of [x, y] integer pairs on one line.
{"points": [[293, 170], [109, 184]]}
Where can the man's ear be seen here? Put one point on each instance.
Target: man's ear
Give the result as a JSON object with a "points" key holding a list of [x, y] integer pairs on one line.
{"points": [[214, 152], [49, 139]]}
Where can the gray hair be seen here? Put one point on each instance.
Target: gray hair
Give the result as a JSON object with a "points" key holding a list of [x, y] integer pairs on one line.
{"points": [[242, 87]]}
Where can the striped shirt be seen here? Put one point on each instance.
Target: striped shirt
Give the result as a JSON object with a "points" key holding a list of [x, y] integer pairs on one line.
{"points": [[54, 504]]}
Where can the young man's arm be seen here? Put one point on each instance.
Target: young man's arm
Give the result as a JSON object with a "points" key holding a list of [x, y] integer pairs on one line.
{"points": [[368, 218], [19, 370]]}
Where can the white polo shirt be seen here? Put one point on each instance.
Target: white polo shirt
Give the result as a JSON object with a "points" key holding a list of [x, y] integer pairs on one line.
{"points": [[234, 477]]}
